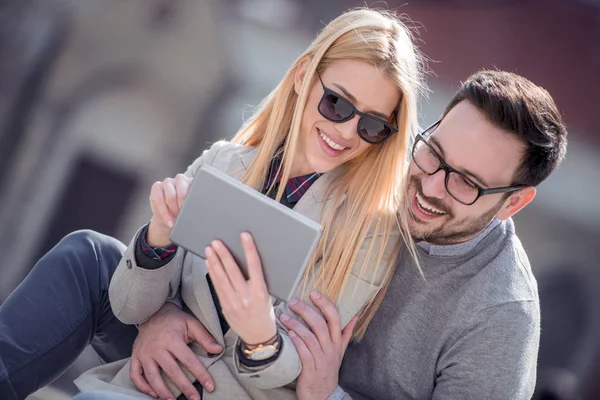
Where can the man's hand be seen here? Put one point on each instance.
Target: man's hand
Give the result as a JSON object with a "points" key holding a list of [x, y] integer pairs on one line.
{"points": [[161, 341], [321, 349]]}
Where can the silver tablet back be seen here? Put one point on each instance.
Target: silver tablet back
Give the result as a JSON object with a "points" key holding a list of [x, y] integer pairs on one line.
{"points": [[218, 206]]}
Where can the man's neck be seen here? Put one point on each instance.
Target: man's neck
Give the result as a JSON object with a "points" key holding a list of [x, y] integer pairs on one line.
{"points": [[458, 248]]}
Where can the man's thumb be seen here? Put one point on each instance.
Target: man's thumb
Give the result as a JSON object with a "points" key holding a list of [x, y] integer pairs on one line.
{"points": [[198, 333]]}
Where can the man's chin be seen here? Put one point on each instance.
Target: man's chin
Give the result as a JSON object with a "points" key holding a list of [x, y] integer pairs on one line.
{"points": [[422, 231]]}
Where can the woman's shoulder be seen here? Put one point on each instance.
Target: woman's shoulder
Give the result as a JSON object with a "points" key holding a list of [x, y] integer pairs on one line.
{"points": [[226, 148], [220, 154]]}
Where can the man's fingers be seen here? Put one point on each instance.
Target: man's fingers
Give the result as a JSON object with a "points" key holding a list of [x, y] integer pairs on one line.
{"points": [[168, 364], [306, 357], [309, 339], [137, 377], [199, 334], [154, 378], [330, 313], [314, 320], [187, 357], [347, 332]]}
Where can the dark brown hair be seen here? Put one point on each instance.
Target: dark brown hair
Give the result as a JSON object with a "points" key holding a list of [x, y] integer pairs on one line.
{"points": [[516, 105]]}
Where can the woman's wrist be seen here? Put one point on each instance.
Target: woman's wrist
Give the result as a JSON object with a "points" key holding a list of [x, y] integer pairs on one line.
{"points": [[260, 353], [157, 237], [250, 346]]}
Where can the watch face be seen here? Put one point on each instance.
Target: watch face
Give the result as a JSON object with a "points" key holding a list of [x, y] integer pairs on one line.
{"points": [[263, 353]]}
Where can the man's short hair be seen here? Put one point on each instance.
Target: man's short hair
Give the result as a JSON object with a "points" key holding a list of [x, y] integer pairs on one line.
{"points": [[516, 105]]}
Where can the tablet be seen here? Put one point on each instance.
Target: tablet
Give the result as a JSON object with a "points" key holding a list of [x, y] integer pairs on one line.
{"points": [[218, 206]]}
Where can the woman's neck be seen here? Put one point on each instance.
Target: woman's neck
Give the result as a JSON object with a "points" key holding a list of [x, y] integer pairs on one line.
{"points": [[300, 167]]}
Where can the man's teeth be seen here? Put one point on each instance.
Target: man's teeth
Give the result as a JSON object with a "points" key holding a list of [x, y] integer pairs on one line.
{"points": [[330, 142], [428, 208]]}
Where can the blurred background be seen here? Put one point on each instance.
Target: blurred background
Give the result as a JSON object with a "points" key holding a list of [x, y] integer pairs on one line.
{"points": [[100, 98]]}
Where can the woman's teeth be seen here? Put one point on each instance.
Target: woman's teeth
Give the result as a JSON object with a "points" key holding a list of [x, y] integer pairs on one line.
{"points": [[428, 209], [330, 142]]}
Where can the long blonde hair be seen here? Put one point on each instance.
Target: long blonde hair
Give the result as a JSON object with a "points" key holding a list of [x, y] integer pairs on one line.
{"points": [[367, 193]]}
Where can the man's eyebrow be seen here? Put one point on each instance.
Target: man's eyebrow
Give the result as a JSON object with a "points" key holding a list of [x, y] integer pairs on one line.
{"points": [[472, 175], [353, 100]]}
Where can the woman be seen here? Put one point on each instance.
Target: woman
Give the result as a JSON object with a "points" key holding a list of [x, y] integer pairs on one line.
{"points": [[336, 130]]}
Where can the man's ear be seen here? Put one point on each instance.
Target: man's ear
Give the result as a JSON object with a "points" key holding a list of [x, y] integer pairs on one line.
{"points": [[516, 202], [300, 74]]}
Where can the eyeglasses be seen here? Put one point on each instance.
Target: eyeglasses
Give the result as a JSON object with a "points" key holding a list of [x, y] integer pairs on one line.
{"points": [[461, 188], [335, 108]]}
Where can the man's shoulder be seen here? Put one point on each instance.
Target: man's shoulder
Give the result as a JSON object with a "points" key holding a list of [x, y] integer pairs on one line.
{"points": [[506, 276]]}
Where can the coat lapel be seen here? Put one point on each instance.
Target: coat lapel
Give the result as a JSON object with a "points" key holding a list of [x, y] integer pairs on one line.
{"points": [[315, 199]]}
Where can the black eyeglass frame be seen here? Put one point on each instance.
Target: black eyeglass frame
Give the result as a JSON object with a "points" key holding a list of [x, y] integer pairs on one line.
{"points": [[355, 111], [481, 191]]}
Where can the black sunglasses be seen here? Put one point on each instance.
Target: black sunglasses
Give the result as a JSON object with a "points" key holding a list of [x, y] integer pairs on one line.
{"points": [[458, 185], [336, 108]]}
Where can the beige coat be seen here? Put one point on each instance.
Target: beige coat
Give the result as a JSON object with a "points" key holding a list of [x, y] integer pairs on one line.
{"points": [[137, 293]]}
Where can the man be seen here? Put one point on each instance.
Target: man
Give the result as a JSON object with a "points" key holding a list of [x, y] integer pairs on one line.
{"points": [[462, 324], [468, 327]]}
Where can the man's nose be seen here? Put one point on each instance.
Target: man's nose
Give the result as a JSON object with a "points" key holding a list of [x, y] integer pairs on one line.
{"points": [[435, 185]]}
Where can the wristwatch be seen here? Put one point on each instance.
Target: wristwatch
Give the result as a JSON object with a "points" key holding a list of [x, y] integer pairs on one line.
{"points": [[262, 351]]}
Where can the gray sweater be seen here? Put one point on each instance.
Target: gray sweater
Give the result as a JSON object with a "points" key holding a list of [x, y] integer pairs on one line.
{"points": [[470, 330]]}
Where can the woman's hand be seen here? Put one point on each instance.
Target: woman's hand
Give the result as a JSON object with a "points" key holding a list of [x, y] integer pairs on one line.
{"points": [[166, 198], [246, 304]]}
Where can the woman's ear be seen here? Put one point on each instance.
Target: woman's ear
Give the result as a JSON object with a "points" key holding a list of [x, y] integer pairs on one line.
{"points": [[300, 74]]}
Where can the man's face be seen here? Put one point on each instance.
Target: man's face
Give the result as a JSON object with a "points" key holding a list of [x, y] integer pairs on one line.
{"points": [[487, 155]]}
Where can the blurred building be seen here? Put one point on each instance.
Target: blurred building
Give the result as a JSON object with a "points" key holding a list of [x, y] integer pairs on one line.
{"points": [[99, 99]]}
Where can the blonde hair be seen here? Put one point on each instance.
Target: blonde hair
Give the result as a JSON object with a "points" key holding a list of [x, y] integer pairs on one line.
{"points": [[368, 191]]}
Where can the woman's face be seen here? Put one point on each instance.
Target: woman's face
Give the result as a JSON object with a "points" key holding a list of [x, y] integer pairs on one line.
{"points": [[324, 145]]}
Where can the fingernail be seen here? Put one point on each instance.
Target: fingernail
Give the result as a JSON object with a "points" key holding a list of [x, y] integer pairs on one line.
{"points": [[170, 223], [284, 317], [292, 302], [194, 397], [316, 295], [208, 251], [209, 386], [216, 244], [246, 237]]}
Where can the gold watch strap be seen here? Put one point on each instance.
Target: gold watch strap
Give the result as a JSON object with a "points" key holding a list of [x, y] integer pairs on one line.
{"points": [[270, 347], [272, 341]]}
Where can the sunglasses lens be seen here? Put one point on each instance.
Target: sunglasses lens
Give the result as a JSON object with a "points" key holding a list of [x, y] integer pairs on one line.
{"points": [[334, 108], [372, 130]]}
